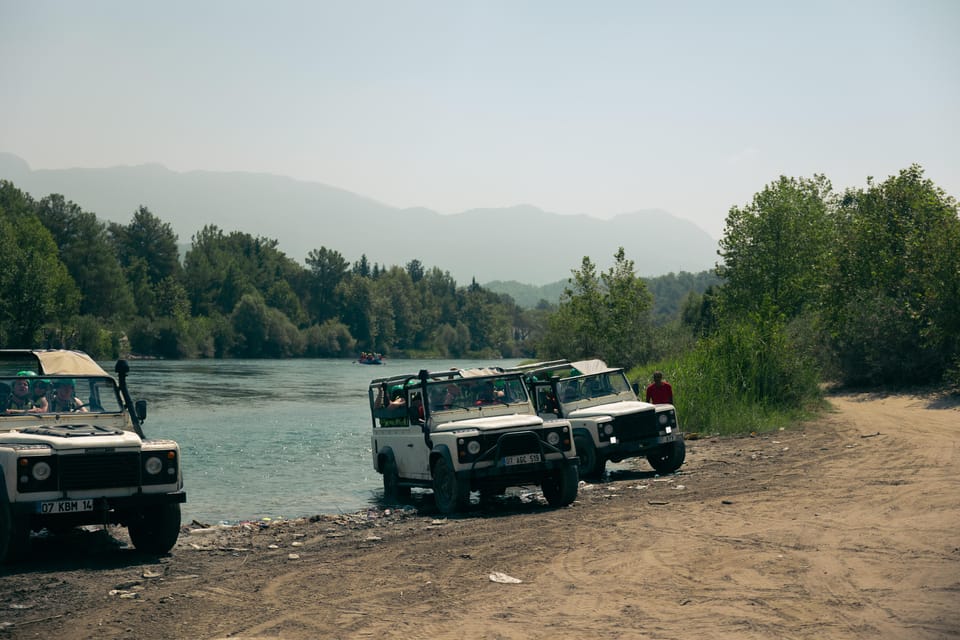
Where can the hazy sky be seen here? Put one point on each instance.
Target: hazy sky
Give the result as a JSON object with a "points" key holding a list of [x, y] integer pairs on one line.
{"points": [[575, 107]]}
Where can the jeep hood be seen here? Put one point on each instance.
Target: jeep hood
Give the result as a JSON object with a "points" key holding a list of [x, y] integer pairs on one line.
{"points": [[493, 423], [621, 408], [71, 436]]}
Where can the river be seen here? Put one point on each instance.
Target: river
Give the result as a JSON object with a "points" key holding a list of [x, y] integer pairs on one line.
{"points": [[269, 438]]}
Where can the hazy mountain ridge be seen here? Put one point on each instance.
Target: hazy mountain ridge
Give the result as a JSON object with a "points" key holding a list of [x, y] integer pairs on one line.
{"points": [[521, 243]]}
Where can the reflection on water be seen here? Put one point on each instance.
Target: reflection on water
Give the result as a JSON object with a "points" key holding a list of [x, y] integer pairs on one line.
{"points": [[269, 438]]}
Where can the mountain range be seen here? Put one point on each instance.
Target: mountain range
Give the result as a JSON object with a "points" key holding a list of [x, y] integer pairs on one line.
{"points": [[520, 243]]}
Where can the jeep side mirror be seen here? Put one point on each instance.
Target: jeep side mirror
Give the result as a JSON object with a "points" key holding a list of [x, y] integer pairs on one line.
{"points": [[141, 408], [636, 389]]}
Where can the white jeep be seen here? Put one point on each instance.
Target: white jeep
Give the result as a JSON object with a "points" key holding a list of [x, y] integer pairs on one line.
{"points": [[609, 422], [72, 453], [467, 430]]}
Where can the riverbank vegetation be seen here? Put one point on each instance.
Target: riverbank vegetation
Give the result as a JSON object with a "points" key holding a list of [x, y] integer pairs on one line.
{"points": [[860, 287]]}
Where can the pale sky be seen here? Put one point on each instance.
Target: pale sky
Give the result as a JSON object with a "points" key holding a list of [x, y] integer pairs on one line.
{"points": [[575, 107]]}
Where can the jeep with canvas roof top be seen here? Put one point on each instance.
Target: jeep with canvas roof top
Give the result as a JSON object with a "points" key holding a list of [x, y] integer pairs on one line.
{"points": [[609, 422], [74, 453], [467, 430]]}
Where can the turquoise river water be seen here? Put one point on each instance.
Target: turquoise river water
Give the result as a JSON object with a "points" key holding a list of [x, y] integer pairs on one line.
{"points": [[269, 438]]}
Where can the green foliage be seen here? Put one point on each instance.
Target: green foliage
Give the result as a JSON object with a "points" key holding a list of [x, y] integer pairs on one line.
{"points": [[147, 251], [88, 253], [95, 339], [893, 309], [776, 251], [331, 339], [750, 375], [671, 292], [35, 287], [606, 316], [327, 269]]}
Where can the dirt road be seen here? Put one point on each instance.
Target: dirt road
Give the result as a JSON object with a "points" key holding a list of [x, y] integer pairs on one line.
{"points": [[848, 527]]}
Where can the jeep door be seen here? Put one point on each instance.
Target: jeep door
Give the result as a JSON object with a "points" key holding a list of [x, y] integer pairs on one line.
{"points": [[407, 442]]}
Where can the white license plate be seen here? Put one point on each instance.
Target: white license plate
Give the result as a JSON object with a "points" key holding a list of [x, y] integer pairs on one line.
{"points": [[67, 506], [523, 458]]}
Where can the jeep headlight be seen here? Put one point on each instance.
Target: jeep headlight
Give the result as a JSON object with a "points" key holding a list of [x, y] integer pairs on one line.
{"points": [[159, 467], [153, 465], [663, 418], [41, 471], [608, 428], [553, 438], [36, 474], [473, 447]]}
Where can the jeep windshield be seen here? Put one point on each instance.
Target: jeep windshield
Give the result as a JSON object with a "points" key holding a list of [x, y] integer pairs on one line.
{"points": [[29, 393], [481, 391], [609, 386]]}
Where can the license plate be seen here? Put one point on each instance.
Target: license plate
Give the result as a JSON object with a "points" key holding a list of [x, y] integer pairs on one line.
{"points": [[66, 506], [523, 458]]}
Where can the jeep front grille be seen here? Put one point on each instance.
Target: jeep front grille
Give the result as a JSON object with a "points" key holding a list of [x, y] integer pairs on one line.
{"points": [[635, 426], [99, 471]]}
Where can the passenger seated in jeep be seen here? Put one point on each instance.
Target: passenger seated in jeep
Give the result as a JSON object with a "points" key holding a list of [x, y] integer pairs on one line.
{"points": [[547, 402], [571, 393], [450, 397], [487, 394], [416, 407], [21, 397], [64, 399], [40, 389]]}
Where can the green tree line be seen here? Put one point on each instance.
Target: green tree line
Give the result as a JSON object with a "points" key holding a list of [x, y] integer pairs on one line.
{"points": [[860, 287], [71, 280]]}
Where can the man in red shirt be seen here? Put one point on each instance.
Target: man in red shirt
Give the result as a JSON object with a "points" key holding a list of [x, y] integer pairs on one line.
{"points": [[660, 392]]}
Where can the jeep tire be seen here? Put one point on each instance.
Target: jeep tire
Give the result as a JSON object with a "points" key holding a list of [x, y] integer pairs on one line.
{"points": [[668, 458], [449, 493], [155, 530], [14, 535], [592, 465], [560, 489], [391, 482]]}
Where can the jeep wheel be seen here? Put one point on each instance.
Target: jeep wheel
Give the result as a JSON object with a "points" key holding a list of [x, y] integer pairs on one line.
{"points": [[14, 535], [391, 482], [449, 493], [156, 530], [668, 458], [560, 489], [591, 465]]}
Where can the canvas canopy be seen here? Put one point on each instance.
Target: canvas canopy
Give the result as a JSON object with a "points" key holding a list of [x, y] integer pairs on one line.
{"points": [[55, 362], [588, 367]]}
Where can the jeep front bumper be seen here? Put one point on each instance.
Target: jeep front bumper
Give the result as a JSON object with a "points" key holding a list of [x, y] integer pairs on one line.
{"points": [[71, 512]]}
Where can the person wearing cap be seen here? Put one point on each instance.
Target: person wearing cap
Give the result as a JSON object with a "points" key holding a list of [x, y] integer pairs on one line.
{"points": [[21, 397], [660, 391], [40, 388], [397, 400], [64, 399]]}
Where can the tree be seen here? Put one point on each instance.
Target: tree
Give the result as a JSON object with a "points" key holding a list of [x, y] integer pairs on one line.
{"points": [[221, 268], [894, 294], [606, 316], [147, 250], [327, 269], [89, 255], [776, 250], [35, 287]]}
